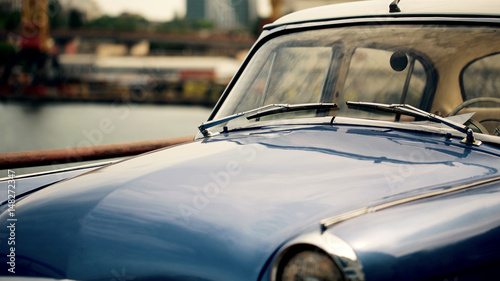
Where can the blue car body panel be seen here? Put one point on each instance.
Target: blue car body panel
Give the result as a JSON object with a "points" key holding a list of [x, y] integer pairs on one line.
{"points": [[376, 196], [452, 237], [222, 210], [27, 184]]}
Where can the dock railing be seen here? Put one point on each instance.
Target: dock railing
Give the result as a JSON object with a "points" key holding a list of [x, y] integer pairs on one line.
{"points": [[86, 153]]}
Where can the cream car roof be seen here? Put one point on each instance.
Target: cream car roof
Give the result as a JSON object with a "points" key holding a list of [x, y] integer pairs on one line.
{"points": [[381, 8]]}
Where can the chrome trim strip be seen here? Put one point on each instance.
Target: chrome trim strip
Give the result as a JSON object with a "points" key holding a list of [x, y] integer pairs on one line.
{"points": [[343, 217], [62, 170], [341, 253], [387, 19], [329, 222], [417, 126]]}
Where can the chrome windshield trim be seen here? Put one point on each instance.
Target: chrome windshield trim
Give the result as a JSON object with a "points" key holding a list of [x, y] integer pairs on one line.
{"points": [[419, 126], [264, 111], [279, 122], [406, 109], [295, 121], [338, 250], [329, 222]]}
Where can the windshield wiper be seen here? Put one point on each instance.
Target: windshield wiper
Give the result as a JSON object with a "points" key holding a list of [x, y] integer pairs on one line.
{"points": [[274, 109], [294, 107], [409, 110]]}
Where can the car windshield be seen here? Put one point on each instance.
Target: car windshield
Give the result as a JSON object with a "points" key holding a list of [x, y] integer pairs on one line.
{"points": [[436, 68]]}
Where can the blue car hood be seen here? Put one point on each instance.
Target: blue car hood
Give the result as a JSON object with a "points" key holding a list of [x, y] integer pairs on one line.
{"points": [[218, 208]]}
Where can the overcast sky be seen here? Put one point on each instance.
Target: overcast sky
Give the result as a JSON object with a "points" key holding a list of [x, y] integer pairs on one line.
{"points": [[157, 10]]}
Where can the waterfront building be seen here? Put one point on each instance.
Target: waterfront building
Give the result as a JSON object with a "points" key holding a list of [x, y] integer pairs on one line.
{"points": [[225, 14]]}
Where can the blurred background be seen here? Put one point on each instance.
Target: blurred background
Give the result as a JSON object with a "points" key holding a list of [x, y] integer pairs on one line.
{"points": [[79, 73]]}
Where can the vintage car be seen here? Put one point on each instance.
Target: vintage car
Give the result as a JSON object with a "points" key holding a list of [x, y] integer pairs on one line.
{"points": [[357, 141]]}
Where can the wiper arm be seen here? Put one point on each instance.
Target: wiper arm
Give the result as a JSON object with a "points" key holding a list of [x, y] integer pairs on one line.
{"points": [[294, 107], [409, 110], [203, 127], [279, 108]]}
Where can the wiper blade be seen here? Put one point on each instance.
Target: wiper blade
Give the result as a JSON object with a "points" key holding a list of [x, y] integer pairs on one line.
{"points": [[203, 127], [294, 107], [409, 110], [278, 108]]}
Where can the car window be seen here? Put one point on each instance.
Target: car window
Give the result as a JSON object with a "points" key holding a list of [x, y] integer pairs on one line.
{"points": [[482, 78], [290, 75], [307, 67], [418, 65], [481, 92], [371, 77], [297, 75]]}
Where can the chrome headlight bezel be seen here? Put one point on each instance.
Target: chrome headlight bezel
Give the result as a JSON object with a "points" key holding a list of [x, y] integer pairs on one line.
{"points": [[341, 254]]}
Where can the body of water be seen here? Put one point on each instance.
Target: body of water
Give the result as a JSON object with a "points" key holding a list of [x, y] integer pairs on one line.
{"points": [[27, 127]]}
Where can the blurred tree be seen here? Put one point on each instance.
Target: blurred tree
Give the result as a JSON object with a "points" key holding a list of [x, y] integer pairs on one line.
{"points": [[75, 19], [6, 52], [203, 25], [178, 25], [124, 22], [56, 18], [10, 20], [257, 26]]}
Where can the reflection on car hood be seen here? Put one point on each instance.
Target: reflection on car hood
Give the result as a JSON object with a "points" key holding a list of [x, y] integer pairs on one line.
{"points": [[217, 209]]}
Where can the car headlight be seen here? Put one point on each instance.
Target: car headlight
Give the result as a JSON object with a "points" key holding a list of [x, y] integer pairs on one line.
{"points": [[316, 256], [309, 265]]}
